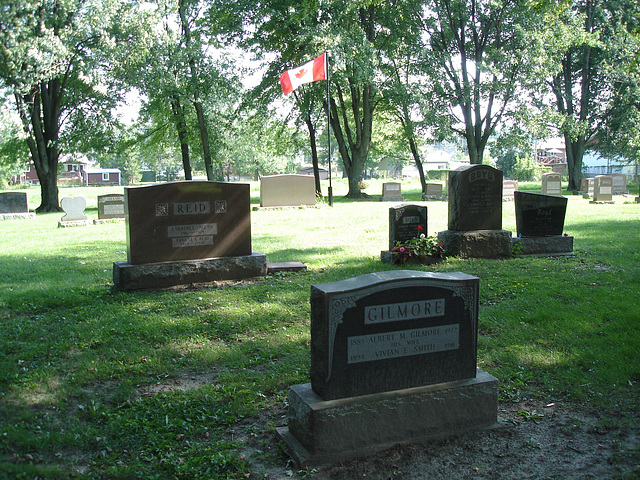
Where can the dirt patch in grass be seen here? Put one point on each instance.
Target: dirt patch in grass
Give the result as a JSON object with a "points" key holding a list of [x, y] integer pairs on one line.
{"points": [[552, 441]]}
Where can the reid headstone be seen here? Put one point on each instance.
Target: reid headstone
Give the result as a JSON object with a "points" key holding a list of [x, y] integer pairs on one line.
{"points": [[404, 221], [551, 184], [186, 221], [288, 190]]}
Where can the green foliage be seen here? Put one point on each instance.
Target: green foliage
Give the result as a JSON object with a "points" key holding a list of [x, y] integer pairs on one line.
{"points": [[525, 169]]}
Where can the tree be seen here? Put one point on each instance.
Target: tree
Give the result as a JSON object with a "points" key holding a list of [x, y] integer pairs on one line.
{"points": [[482, 57], [587, 88], [53, 63]]}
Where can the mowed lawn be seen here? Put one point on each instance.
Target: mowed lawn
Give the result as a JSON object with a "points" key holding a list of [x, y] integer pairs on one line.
{"points": [[85, 370]]}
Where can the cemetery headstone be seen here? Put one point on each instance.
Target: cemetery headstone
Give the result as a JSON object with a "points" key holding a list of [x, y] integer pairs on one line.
{"points": [[551, 184], [186, 232], [14, 205], [603, 188], [475, 214], [475, 198], [540, 223], [508, 189], [406, 222], [392, 192], [393, 359], [433, 192], [74, 212], [287, 190], [111, 206], [619, 183], [587, 186]]}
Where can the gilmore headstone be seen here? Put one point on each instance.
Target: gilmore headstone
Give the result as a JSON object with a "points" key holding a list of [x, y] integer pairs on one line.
{"points": [[187, 232], [287, 190], [14, 205], [551, 184], [392, 192], [508, 189], [603, 188], [393, 359], [406, 222], [111, 206], [475, 198]]}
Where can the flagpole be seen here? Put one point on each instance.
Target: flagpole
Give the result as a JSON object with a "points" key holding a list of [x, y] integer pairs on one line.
{"points": [[329, 130]]}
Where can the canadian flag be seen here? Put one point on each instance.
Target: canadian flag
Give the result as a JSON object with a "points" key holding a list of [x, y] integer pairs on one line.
{"points": [[309, 72]]}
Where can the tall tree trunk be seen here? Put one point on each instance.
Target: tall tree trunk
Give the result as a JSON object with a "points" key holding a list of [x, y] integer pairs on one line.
{"points": [[40, 114], [314, 153], [197, 103], [181, 127]]}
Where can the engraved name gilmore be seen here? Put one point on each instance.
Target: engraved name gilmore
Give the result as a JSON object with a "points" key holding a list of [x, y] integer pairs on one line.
{"points": [[404, 311]]}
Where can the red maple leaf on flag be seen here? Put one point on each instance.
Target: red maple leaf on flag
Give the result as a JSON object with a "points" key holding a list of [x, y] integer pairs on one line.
{"points": [[300, 73]]}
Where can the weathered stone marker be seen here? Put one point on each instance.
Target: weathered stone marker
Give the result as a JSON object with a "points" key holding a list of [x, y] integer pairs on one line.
{"points": [[393, 359], [287, 190], [14, 205], [603, 189], [392, 192], [111, 206], [186, 232], [551, 183], [73, 212]]}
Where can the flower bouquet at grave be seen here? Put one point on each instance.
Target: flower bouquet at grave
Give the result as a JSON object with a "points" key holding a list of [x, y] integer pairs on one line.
{"points": [[422, 249]]}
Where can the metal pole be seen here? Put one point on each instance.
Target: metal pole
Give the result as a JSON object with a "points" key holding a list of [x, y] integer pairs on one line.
{"points": [[329, 129]]}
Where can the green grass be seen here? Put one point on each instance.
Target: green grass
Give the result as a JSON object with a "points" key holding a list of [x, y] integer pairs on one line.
{"points": [[79, 361]]}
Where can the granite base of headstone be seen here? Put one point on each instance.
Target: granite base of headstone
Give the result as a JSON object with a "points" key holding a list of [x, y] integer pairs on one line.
{"points": [[152, 276], [393, 360], [540, 224], [475, 214], [392, 192], [14, 205], [74, 212], [182, 233]]}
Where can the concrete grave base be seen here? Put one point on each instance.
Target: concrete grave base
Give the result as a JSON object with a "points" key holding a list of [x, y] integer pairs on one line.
{"points": [[392, 199], [12, 216], [184, 272], [323, 432], [477, 243], [552, 246], [74, 223]]}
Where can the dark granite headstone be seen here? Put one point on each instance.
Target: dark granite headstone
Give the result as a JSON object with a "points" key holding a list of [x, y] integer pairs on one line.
{"points": [[404, 223], [603, 188], [539, 215], [13, 202], [392, 330], [551, 183], [111, 206], [475, 198], [187, 221]]}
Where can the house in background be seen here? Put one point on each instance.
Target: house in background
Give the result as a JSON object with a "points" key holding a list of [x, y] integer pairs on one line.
{"points": [[73, 171], [92, 177], [551, 153]]}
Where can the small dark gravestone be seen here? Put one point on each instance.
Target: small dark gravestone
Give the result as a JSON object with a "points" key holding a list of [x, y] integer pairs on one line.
{"points": [[392, 192], [603, 189], [475, 198], [475, 214], [111, 206], [393, 359], [539, 215], [551, 183], [406, 222], [186, 232], [540, 223], [14, 205]]}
